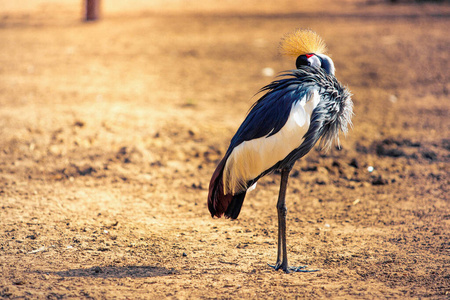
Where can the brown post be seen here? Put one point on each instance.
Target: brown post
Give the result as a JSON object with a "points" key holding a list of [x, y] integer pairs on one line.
{"points": [[92, 10]]}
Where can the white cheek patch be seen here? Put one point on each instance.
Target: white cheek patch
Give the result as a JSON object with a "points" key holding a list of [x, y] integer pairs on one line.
{"points": [[251, 158]]}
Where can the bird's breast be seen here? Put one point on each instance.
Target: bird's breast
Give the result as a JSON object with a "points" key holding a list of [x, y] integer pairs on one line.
{"points": [[251, 158]]}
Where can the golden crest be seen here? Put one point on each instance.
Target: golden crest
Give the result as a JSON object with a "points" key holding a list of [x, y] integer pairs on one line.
{"points": [[302, 41]]}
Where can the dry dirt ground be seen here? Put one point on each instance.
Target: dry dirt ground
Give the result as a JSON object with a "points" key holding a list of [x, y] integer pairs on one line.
{"points": [[110, 131]]}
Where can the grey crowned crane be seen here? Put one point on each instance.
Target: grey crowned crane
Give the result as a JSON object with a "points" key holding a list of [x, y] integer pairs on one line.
{"points": [[299, 109]]}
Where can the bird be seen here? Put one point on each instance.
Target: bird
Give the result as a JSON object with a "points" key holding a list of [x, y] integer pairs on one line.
{"points": [[299, 109]]}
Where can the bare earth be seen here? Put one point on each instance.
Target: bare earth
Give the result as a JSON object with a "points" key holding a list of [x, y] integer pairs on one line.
{"points": [[110, 131]]}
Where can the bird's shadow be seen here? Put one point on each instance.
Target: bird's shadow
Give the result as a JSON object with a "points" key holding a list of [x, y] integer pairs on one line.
{"points": [[117, 272]]}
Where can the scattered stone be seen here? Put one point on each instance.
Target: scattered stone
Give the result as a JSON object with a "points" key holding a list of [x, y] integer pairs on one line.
{"points": [[409, 143], [354, 163], [197, 186], [87, 170], [382, 150], [156, 164], [321, 181], [310, 169], [428, 154], [295, 173], [37, 250], [379, 181], [78, 124], [98, 270]]}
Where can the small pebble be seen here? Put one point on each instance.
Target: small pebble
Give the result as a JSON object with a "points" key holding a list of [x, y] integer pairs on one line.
{"points": [[268, 72], [184, 254], [393, 98]]}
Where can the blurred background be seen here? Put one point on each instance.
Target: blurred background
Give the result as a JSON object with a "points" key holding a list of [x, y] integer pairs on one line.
{"points": [[111, 129]]}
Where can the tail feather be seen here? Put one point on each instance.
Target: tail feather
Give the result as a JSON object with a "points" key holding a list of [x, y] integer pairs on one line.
{"points": [[234, 208], [219, 203]]}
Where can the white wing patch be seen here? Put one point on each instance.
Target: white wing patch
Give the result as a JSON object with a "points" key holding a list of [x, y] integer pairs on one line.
{"points": [[251, 158]]}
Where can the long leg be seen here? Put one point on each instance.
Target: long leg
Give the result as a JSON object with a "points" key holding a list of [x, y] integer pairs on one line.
{"points": [[282, 261], [282, 211], [279, 252]]}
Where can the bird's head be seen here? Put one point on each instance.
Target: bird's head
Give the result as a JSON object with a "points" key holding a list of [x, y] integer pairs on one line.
{"points": [[316, 60], [309, 49]]}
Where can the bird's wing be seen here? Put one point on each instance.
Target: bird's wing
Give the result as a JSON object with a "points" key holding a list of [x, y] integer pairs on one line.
{"points": [[274, 127], [269, 114]]}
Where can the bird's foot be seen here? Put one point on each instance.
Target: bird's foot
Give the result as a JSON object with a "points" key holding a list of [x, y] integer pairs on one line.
{"points": [[288, 269], [276, 266], [301, 269]]}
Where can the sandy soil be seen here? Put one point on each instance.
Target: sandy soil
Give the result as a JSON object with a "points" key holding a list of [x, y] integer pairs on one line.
{"points": [[110, 131]]}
